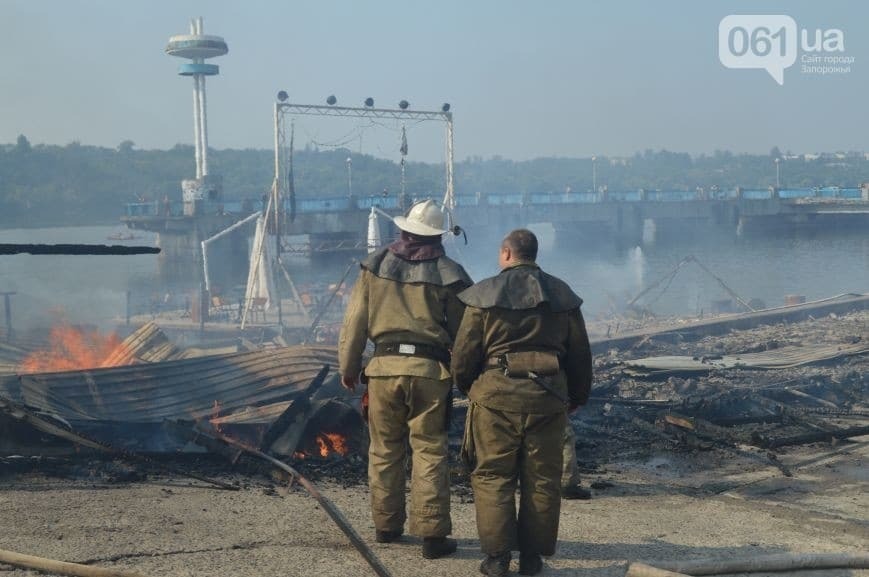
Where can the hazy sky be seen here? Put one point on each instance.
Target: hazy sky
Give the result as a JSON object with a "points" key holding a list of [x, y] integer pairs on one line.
{"points": [[525, 79]]}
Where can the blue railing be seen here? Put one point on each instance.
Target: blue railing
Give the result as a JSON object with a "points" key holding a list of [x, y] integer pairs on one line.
{"points": [[344, 204]]}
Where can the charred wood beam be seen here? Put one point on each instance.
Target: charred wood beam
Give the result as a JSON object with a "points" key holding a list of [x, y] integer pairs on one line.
{"points": [[75, 249], [819, 436]]}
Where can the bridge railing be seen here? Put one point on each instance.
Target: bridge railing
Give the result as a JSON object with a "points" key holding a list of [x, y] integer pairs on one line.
{"points": [[391, 202]]}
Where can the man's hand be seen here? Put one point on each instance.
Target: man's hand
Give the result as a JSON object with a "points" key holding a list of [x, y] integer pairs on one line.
{"points": [[349, 382]]}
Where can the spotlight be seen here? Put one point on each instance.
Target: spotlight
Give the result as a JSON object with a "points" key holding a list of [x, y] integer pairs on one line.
{"points": [[403, 104], [446, 107], [331, 100], [282, 95], [369, 102]]}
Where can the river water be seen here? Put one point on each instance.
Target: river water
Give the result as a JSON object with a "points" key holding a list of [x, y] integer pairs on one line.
{"points": [[93, 288]]}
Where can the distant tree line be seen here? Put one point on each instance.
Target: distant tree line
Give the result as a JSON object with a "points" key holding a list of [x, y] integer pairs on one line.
{"points": [[45, 185]]}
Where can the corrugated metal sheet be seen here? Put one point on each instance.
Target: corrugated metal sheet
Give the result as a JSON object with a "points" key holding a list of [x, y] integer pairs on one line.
{"points": [[783, 358], [181, 389]]}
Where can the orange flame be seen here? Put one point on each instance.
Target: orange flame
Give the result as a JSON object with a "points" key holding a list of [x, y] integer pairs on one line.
{"points": [[329, 443], [72, 349]]}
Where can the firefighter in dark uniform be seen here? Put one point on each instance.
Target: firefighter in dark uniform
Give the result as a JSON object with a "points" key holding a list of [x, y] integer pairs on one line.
{"points": [[522, 356], [405, 301]]}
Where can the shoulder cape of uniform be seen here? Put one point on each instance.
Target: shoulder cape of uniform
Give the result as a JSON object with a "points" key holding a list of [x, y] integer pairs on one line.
{"points": [[520, 288], [442, 271]]}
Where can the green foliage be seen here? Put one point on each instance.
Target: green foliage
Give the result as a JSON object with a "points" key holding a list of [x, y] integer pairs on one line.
{"points": [[46, 185]]}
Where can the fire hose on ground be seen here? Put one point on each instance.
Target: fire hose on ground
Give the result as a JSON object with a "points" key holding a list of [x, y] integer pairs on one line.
{"points": [[61, 567], [759, 564]]}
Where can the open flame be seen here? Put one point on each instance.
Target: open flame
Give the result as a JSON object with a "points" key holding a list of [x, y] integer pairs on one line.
{"points": [[328, 445], [71, 349]]}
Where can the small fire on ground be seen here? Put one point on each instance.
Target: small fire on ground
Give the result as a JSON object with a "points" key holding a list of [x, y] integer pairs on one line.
{"points": [[327, 445], [71, 348]]}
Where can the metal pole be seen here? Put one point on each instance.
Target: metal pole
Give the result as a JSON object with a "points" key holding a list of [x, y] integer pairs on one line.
{"points": [[128, 308], [450, 196]]}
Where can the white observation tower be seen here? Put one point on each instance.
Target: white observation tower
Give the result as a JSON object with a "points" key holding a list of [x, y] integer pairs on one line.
{"points": [[196, 47]]}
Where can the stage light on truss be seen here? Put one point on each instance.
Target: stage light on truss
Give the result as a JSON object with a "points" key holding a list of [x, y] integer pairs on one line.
{"points": [[446, 107], [282, 96], [331, 100], [403, 104], [369, 102]]}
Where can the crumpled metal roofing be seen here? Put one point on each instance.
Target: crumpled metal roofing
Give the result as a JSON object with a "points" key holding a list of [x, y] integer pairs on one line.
{"points": [[180, 389]]}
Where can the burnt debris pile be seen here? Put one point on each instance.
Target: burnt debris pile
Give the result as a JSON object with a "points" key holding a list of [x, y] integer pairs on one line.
{"points": [[751, 393], [745, 392]]}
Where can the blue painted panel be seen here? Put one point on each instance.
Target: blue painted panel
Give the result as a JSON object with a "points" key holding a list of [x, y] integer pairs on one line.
{"points": [[191, 68], [384, 202]]}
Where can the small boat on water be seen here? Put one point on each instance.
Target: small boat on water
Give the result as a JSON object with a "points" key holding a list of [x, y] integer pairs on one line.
{"points": [[122, 236]]}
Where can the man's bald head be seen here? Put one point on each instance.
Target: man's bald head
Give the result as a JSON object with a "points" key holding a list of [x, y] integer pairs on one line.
{"points": [[518, 246]]}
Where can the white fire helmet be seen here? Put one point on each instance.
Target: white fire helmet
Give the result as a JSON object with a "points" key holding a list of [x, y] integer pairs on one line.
{"points": [[424, 219]]}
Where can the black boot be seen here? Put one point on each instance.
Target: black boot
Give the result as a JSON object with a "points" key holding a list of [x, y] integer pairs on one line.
{"points": [[388, 536], [437, 547], [530, 563], [496, 565], [575, 492]]}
